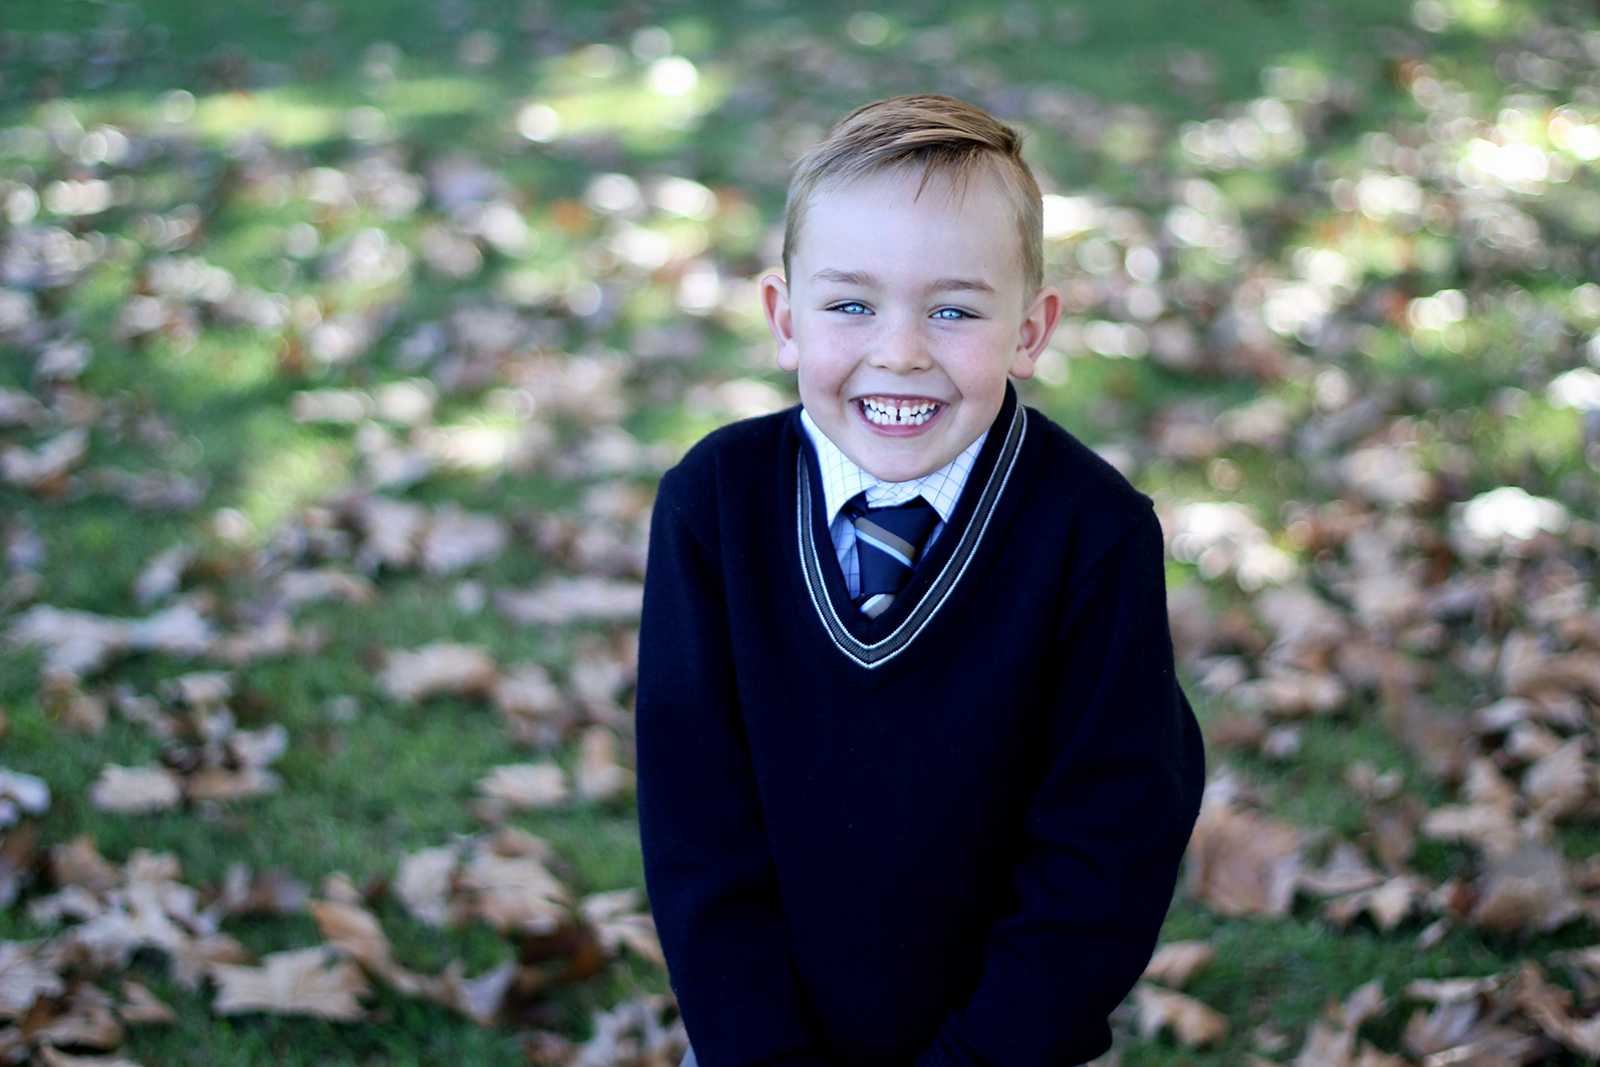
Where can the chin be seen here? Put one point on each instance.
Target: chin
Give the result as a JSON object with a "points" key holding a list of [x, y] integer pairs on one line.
{"points": [[899, 472]]}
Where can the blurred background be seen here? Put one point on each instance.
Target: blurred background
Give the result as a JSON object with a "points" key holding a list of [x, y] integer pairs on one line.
{"points": [[342, 345]]}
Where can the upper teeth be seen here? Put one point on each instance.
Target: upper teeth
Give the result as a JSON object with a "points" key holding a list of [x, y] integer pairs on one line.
{"points": [[891, 411]]}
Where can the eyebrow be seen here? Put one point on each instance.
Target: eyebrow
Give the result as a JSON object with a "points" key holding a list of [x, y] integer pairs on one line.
{"points": [[938, 285]]}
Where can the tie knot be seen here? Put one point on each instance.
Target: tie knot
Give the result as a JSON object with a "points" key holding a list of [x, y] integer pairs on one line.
{"points": [[901, 528]]}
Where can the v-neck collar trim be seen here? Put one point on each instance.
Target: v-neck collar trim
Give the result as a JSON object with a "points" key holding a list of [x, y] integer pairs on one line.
{"points": [[874, 642]]}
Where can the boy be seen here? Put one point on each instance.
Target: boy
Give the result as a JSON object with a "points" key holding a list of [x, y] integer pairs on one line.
{"points": [[914, 770]]}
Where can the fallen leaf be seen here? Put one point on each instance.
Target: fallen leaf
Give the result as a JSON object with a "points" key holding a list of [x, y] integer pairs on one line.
{"points": [[141, 1007], [599, 776], [51, 1057], [424, 882], [135, 790], [620, 917], [24, 978], [1561, 783], [1175, 962], [563, 600], [1194, 1023], [1524, 890], [295, 982], [1242, 863], [526, 785], [432, 670], [1549, 1006]]}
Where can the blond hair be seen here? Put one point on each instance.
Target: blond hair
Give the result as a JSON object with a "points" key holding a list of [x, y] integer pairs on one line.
{"points": [[942, 135]]}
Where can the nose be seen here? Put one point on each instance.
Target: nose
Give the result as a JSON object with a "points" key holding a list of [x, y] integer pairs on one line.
{"points": [[902, 347]]}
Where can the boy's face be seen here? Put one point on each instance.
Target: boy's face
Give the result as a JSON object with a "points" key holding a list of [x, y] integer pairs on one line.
{"points": [[907, 303]]}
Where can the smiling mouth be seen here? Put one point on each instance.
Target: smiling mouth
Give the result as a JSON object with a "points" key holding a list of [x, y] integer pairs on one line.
{"points": [[887, 411]]}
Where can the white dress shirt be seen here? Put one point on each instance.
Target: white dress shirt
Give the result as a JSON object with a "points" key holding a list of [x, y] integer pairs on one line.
{"points": [[842, 479]]}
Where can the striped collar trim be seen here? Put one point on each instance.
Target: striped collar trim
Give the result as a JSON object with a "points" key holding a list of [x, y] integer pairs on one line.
{"points": [[881, 651]]}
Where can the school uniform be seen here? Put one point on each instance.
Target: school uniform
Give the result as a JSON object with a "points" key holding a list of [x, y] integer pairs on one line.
{"points": [[943, 836]]}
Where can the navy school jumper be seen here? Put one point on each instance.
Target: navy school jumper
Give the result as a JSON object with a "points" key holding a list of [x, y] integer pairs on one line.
{"points": [[945, 836]]}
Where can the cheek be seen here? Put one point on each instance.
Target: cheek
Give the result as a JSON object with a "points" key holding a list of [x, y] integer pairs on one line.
{"points": [[972, 364]]}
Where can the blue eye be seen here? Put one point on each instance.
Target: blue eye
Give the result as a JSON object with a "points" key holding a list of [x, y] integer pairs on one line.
{"points": [[848, 304], [958, 311]]}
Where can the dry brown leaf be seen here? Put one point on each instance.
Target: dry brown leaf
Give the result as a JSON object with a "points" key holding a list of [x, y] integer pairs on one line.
{"points": [[45, 469], [192, 960], [441, 668], [135, 790], [219, 783], [1394, 830], [140, 1007], [620, 918], [1331, 1040], [78, 643], [1242, 863], [526, 785], [1443, 743], [1549, 1006], [18, 854], [536, 712], [82, 712], [599, 776], [1528, 673], [633, 1029], [1562, 782], [563, 600], [1490, 827], [1524, 890], [1175, 962], [424, 882], [1485, 785], [79, 863], [1444, 990], [296, 982], [24, 977], [161, 575], [1193, 1023], [1346, 871], [51, 1057], [272, 892], [457, 540], [480, 998], [514, 893], [85, 1020], [1388, 904], [1286, 693], [21, 794], [354, 930]]}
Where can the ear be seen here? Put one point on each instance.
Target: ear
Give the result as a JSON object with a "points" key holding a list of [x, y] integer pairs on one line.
{"points": [[775, 302], [1034, 333]]}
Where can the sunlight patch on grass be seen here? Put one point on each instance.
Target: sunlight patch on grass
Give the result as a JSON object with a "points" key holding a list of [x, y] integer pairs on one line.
{"points": [[283, 114], [634, 109], [416, 97], [218, 362], [298, 471]]}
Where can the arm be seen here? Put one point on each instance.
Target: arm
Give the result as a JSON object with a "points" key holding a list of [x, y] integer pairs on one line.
{"points": [[707, 871], [1103, 833]]}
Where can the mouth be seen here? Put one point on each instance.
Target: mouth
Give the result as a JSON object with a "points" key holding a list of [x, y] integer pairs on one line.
{"points": [[898, 415]]}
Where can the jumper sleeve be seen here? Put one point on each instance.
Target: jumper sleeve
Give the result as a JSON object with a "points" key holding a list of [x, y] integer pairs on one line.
{"points": [[1103, 833], [708, 873]]}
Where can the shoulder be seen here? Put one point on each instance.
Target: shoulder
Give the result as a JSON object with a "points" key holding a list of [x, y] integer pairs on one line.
{"points": [[1069, 478], [1108, 532], [733, 458]]}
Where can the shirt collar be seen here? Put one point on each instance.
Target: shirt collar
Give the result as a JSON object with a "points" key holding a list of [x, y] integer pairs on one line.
{"points": [[842, 478]]}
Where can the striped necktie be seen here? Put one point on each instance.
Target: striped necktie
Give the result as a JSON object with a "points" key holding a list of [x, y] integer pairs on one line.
{"points": [[888, 542]]}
